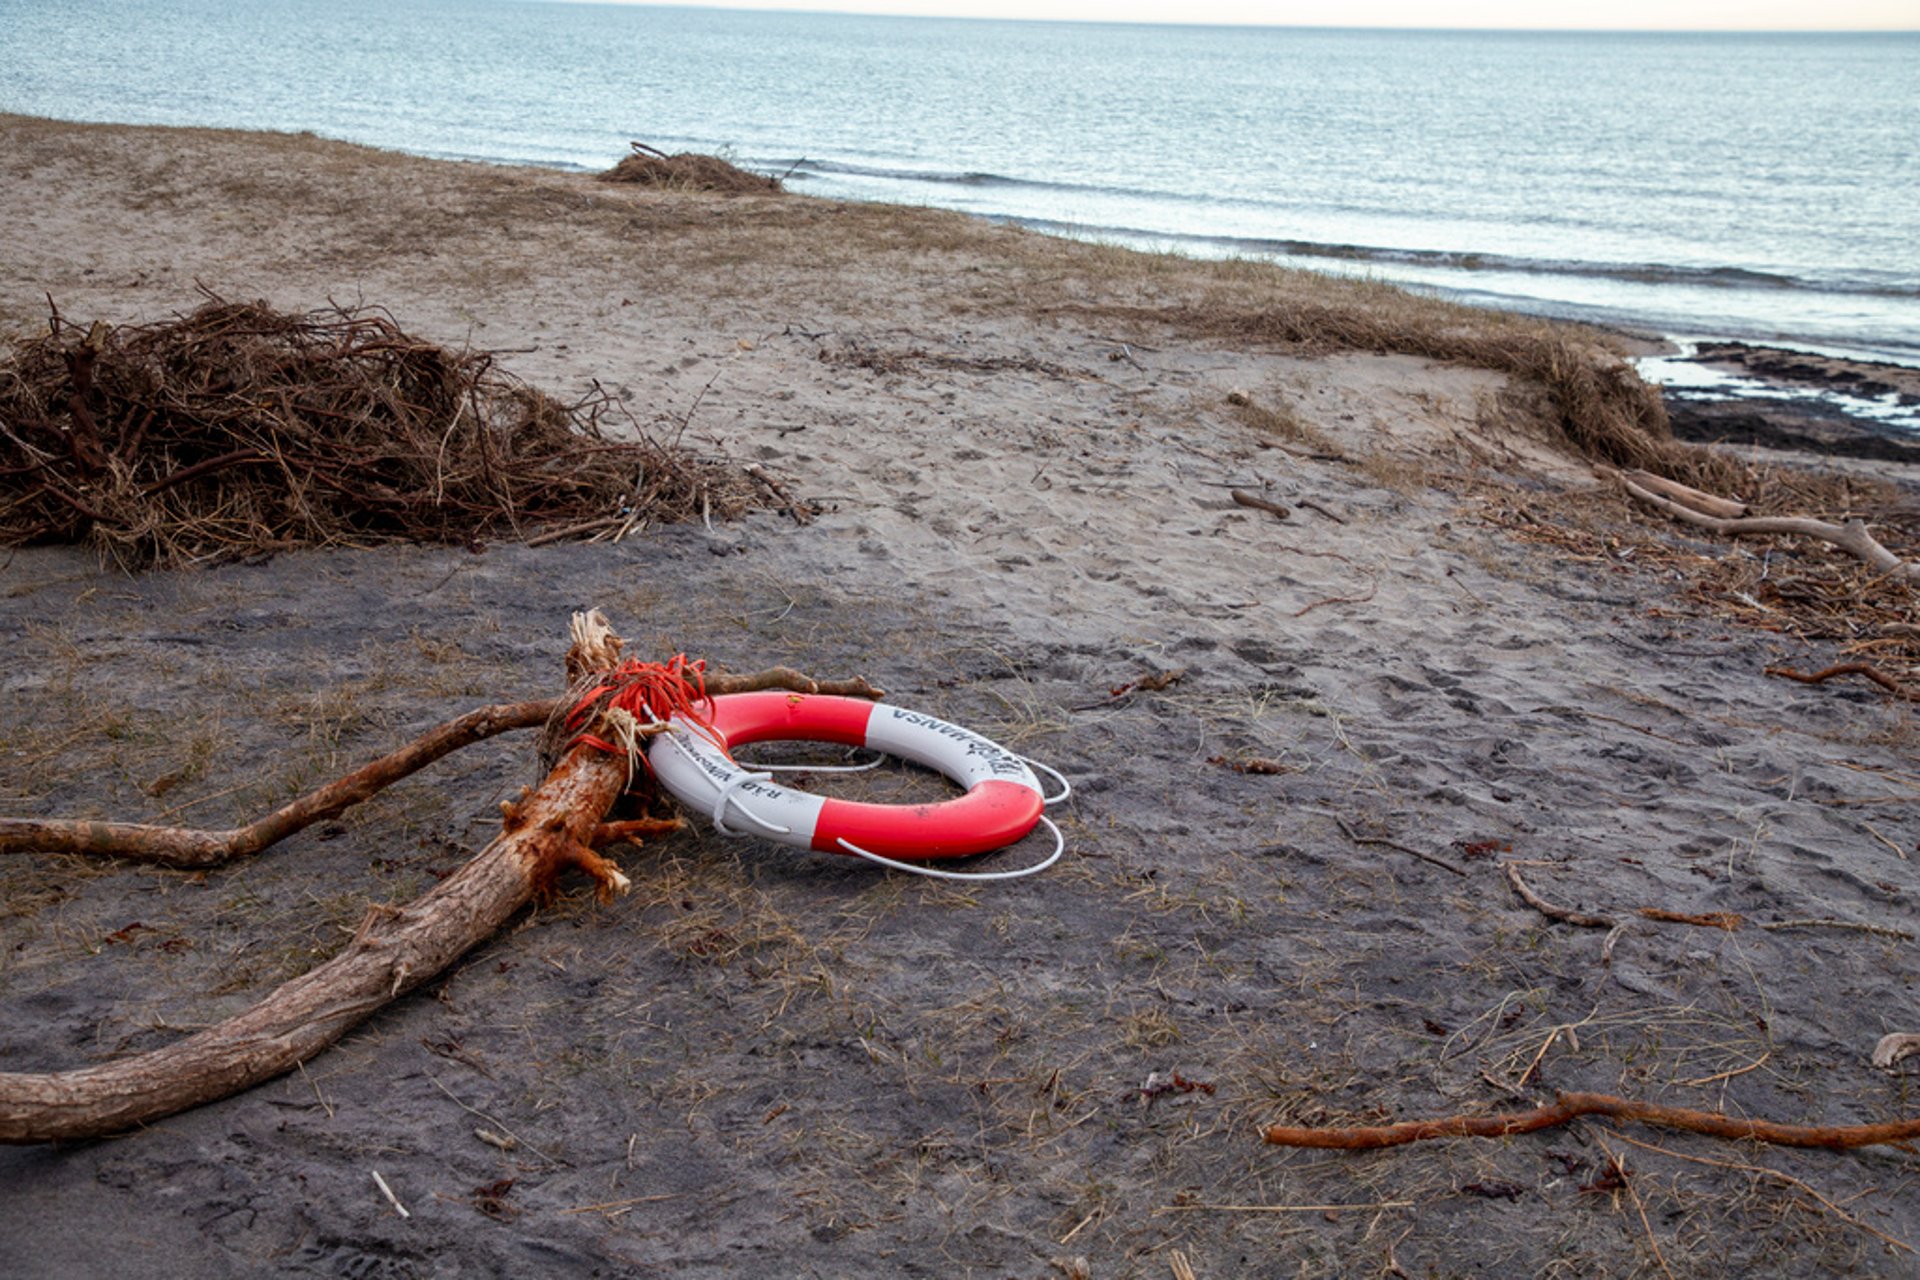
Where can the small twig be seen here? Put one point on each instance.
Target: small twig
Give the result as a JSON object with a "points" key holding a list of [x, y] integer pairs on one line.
{"points": [[1362, 598], [472, 1110], [573, 530], [1437, 861], [799, 512], [1728, 920], [1080, 1226], [1328, 512], [624, 1204], [318, 1096], [1866, 669], [1258, 503], [1881, 930], [387, 1191], [1546, 908], [1606, 945], [1718, 1076], [1875, 832]]}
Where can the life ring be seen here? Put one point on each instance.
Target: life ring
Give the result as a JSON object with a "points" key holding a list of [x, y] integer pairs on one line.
{"points": [[1003, 801]]}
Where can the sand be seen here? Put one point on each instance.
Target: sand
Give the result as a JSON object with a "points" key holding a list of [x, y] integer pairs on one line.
{"points": [[767, 1063]]}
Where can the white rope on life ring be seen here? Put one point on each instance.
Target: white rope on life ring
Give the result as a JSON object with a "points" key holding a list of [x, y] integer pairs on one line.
{"points": [[1004, 800]]}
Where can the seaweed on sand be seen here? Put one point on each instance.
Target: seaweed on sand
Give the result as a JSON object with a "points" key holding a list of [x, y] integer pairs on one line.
{"points": [[238, 429]]}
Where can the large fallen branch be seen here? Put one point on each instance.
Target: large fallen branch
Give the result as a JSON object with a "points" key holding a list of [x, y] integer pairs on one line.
{"points": [[1571, 1106], [395, 950], [181, 847]]}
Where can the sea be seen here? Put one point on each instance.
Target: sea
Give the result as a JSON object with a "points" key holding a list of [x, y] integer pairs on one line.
{"points": [[1761, 188]]}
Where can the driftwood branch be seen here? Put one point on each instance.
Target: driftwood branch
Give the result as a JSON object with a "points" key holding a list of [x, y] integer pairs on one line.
{"points": [[396, 949], [1851, 537], [181, 847], [1685, 494], [200, 849], [1571, 1106]]}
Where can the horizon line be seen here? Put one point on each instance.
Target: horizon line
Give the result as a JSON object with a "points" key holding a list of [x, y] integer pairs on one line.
{"points": [[828, 11]]}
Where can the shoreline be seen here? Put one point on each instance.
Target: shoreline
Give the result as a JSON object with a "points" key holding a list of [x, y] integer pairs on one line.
{"points": [[1839, 353], [1787, 398]]}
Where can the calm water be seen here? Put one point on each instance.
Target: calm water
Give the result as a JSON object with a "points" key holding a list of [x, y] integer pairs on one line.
{"points": [[1763, 187]]}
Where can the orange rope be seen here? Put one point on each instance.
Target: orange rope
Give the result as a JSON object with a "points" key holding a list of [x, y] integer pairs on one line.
{"points": [[648, 691]]}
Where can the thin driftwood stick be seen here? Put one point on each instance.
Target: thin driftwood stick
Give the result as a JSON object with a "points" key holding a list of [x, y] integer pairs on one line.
{"points": [[792, 681], [1259, 503], [182, 847], [1571, 1106], [1851, 537], [1409, 850], [1728, 920], [1546, 908]]}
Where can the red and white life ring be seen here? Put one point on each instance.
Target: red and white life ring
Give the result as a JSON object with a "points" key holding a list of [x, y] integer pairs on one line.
{"points": [[1003, 801]]}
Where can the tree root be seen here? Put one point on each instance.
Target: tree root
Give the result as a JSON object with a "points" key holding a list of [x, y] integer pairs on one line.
{"points": [[1571, 1106], [1866, 669]]}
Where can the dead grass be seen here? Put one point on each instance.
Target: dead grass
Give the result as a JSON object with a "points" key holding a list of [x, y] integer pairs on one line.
{"points": [[1282, 421]]}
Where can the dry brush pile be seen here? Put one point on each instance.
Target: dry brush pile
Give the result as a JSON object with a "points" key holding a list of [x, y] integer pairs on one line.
{"points": [[688, 171], [238, 429]]}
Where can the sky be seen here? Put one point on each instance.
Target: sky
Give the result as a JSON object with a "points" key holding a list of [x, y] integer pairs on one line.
{"points": [[1587, 15]]}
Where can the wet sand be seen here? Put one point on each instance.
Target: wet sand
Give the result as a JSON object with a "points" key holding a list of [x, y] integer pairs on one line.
{"points": [[767, 1063]]}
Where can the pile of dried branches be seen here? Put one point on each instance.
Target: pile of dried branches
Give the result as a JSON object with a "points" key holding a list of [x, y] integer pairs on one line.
{"points": [[687, 171], [238, 429]]}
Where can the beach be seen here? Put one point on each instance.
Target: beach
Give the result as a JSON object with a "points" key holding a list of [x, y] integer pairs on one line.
{"points": [[1303, 752]]}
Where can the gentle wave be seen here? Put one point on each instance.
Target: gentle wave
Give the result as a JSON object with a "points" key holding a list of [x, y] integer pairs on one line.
{"points": [[1653, 273], [946, 177], [1456, 260]]}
